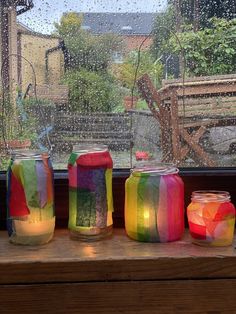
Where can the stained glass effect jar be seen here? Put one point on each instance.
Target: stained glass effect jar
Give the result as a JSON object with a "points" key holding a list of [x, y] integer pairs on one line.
{"points": [[211, 218], [154, 204], [90, 192], [30, 198]]}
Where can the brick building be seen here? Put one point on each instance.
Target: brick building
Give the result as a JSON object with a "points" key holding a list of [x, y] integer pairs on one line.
{"points": [[132, 28], [44, 52]]}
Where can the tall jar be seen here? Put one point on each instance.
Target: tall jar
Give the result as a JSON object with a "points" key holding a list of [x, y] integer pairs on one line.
{"points": [[211, 218], [30, 198], [154, 204], [90, 192]]}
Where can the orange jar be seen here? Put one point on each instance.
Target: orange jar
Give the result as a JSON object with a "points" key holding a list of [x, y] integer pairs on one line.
{"points": [[211, 218]]}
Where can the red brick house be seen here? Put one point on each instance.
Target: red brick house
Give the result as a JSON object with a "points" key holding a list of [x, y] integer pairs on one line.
{"points": [[133, 28]]}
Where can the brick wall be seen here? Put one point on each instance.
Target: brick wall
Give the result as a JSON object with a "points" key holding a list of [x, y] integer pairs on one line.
{"points": [[133, 42]]}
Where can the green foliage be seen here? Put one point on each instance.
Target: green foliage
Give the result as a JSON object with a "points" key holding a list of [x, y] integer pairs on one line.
{"points": [[32, 102], [86, 50], [91, 87], [225, 9], [142, 105], [69, 25], [15, 126], [207, 9], [91, 91], [91, 52], [4, 162], [125, 72], [164, 25], [209, 51]]}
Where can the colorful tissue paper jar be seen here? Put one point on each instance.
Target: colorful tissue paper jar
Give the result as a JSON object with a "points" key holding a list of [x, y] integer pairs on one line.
{"points": [[211, 218], [30, 199], [154, 204], [90, 192]]}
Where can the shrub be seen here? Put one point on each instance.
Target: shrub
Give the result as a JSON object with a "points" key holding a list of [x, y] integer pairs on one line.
{"points": [[91, 91], [209, 51]]}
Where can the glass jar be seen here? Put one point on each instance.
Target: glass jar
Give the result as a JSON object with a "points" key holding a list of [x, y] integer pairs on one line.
{"points": [[30, 198], [154, 204], [90, 192], [211, 218]]}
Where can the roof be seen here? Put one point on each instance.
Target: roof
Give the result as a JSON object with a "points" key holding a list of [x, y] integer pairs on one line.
{"points": [[23, 29], [119, 23]]}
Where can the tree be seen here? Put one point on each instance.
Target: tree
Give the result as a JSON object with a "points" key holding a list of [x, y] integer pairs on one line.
{"points": [[91, 87], [205, 10], [69, 25], [225, 9], [85, 49], [91, 91], [195, 15], [164, 25], [125, 72], [209, 51]]}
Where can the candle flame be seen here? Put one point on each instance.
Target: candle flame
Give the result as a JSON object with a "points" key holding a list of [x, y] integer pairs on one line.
{"points": [[146, 215]]}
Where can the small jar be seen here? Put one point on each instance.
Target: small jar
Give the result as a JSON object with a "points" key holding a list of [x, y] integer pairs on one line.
{"points": [[30, 198], [90, 192], [154, 204], [211, 218]]}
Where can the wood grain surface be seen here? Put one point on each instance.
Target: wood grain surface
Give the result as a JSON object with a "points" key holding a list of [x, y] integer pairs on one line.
{"points": [[165, 297], [117, 258]]}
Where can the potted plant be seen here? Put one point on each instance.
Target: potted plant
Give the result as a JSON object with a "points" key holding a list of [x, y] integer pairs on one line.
{"points": [[17, 130], [142, 155], [130, 102]]}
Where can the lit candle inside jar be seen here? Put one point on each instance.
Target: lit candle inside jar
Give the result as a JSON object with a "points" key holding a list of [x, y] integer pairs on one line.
{"points": [[154, 204], [211, 218], [146, 218], [37, 228], [31, 218]]}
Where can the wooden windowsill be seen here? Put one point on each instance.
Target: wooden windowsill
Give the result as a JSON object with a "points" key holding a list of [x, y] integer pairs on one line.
{"points": [[115, 259]]}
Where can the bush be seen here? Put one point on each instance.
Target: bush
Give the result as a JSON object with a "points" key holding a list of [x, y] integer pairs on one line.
{"points": [[210, 51], [126, 71], [91, 91], [142, 105]]}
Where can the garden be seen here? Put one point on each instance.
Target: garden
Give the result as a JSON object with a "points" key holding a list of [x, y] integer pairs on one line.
{"points": [[204, 46]]}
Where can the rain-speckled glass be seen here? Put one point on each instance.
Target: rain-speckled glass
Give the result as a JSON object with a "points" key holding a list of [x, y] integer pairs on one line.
{"points": [[151, 79]]}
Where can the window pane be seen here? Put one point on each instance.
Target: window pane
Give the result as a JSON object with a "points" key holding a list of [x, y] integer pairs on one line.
{"points": [[153, 80]]}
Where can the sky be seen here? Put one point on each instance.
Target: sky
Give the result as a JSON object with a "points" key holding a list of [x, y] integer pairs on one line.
{"points": [[45, 12]]}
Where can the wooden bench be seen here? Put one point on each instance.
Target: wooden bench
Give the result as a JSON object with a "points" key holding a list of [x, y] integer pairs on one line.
{"points": [[186, 109]]}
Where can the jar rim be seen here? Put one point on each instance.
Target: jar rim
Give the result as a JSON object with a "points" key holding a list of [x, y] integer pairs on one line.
{"points": [[27, 154], [208, 196], [89, 147], [154, 169]]}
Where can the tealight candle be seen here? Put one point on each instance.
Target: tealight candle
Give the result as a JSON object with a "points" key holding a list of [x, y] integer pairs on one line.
{"points": [[154, 204], [211, 218], [30, 201], [90, 192]]}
